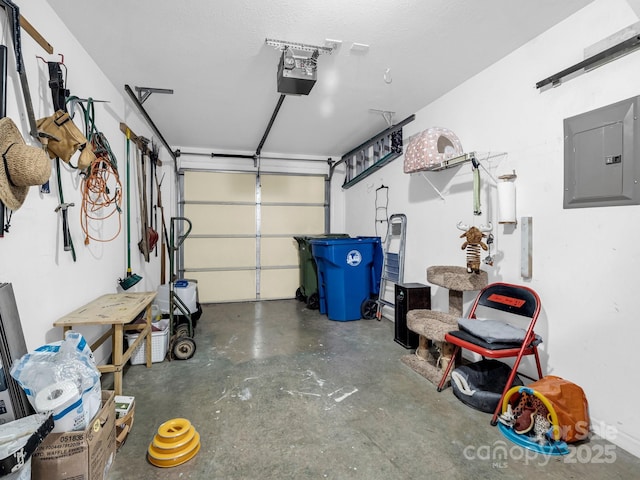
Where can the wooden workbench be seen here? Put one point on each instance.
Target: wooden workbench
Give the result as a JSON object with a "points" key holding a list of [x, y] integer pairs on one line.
{"points": [[117, 310]]}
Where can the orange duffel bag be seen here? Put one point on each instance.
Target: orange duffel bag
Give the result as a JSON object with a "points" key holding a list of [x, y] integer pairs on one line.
{"points": [[570, 404]]}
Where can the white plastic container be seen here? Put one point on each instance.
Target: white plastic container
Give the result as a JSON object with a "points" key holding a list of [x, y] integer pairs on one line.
{"points": [[159, 345], [188, 294]]}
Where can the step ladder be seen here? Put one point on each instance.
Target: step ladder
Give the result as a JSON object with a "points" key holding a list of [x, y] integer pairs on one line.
{"points": [[393, 261]]}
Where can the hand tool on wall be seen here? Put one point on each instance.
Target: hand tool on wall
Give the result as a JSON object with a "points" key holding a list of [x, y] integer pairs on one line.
{"points": [[66, 234], [62, 207]]}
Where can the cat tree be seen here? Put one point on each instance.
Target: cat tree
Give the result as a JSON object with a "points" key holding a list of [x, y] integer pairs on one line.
{"points": [[434, 354]]}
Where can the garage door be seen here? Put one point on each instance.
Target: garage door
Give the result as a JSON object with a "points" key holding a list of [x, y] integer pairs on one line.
{"points": [[241, 246]]}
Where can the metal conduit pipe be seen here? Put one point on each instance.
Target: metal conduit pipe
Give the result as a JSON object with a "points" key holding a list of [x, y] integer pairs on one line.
{"points": [[273, 118]]}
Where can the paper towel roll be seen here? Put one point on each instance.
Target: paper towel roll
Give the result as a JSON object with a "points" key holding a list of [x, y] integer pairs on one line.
{"points": [[56, 396], [506, 202], [64, 401]]}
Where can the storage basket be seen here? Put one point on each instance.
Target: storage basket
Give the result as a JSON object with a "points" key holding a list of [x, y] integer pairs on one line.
{"points": [[159, 346]]}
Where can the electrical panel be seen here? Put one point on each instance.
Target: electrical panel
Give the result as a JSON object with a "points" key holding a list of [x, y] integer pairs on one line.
{"points": [[601, 164]]}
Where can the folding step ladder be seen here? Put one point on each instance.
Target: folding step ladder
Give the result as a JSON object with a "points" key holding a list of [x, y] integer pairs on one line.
{"points": [[392, 267]]}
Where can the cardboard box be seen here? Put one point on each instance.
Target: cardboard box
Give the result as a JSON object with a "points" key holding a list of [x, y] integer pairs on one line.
{"points": [[124, 404], [86, 454]]}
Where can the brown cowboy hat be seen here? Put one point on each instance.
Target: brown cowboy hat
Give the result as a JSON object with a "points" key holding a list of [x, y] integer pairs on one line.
{"points": [[21, 167]]}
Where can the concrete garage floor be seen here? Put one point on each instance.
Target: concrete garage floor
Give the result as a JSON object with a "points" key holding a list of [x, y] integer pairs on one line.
{"points": [[278, 391]]}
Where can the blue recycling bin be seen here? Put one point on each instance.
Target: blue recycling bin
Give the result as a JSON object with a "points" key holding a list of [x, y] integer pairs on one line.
{"points": [[349, 271]]}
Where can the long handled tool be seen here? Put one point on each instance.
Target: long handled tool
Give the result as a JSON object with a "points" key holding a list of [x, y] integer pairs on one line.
{"points": [[149, 236], [3, 113], [13, 12], [165, 234], [143, 244], [131, 279], [153, 157]]}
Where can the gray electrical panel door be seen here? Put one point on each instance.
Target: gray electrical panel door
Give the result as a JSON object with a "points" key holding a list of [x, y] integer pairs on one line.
{"points": [[601, 157]]}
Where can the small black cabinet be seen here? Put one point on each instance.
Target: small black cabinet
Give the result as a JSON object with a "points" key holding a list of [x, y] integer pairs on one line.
{"points": [[409, 296]]}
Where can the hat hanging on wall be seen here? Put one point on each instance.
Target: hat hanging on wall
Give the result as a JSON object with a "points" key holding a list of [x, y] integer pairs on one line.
{"points": [[430, 148], [22, 165]]}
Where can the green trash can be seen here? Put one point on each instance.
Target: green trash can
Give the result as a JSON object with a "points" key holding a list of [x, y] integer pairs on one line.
{"points": [[308, 290]]}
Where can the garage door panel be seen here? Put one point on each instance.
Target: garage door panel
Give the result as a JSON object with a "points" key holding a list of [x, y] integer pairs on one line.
{"points": [[221, 219], [292, 220], [292, 189], [222, 250], [278, 251], [219, 252], [225, 286], [280, 283], [219, 187]]}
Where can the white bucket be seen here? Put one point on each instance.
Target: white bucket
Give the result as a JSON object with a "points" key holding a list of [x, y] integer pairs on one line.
{"points": [[188, 294]]}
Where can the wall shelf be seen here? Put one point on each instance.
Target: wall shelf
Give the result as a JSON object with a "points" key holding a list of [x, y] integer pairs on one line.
{"points": [[452, 162], [457, 161]]}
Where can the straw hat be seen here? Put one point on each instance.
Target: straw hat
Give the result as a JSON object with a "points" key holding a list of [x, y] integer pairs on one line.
{"points": [[21, 165]]}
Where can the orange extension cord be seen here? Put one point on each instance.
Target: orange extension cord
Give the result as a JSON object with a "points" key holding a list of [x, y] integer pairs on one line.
{"points": [[101, 197]]}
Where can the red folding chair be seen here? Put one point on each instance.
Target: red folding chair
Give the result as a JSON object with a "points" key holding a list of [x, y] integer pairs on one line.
{"points": [[504, 340]]}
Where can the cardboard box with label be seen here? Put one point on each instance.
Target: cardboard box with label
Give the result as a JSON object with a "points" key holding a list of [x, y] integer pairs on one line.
{"points": [[86, 454]]}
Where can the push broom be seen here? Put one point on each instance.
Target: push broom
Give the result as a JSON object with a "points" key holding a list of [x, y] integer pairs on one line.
{"points": [[131, 279]]}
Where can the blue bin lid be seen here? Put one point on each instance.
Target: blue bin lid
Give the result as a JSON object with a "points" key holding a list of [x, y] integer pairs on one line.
{"points": [[343, 241]]}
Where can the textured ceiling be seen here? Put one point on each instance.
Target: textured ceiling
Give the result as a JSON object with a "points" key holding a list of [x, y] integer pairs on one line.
{"points": [[213, 55]]}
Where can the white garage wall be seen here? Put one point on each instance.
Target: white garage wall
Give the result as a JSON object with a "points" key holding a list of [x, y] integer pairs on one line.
{"points": [[46, 282], [585, 261]]}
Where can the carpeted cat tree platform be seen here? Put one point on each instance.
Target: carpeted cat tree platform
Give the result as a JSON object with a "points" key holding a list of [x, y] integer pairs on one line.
{"points": [[434, 354]]}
